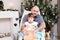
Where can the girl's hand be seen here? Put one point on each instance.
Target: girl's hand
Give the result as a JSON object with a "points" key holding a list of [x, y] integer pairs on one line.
{"points": [[35, 30], [25, 31]]}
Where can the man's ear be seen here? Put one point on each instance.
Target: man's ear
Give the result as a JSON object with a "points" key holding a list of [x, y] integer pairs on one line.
{"points": [[34, 19]]}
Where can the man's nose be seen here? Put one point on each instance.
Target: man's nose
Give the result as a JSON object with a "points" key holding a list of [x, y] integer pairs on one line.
{"points": [[35, 13]]}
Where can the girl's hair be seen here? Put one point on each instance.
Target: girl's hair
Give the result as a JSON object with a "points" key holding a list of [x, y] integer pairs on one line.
{"points": [[30, 15]]}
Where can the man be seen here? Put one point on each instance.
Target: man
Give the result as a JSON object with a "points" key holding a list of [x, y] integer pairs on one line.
{"points": [[37, 17]]}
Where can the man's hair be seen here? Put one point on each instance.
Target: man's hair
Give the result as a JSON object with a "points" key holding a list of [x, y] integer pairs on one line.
{"points": [[30, 15], [34, 6]]}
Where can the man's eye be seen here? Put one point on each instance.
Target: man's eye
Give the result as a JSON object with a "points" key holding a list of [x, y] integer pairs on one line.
{"points": [[36, 11]]}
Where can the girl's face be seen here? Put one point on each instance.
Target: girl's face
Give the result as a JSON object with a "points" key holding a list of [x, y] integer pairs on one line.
{"points": [[30, 19]]}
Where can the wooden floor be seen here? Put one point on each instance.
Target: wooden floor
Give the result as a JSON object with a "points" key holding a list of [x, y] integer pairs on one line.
{"points": [[51, 39]]}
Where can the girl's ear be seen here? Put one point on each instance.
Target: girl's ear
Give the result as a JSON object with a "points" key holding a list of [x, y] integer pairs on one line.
{"points": [[25, 25]]}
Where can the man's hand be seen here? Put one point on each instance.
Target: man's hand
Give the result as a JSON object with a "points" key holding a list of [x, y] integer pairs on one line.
{"points": [[41, 27]]}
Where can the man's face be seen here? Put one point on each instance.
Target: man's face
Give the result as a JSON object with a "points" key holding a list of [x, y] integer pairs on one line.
{"points": [[35, 10]]}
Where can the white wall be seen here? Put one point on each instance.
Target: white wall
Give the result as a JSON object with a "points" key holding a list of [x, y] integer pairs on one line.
{"points": [[54, 2], [12, 4], [16, 4]]}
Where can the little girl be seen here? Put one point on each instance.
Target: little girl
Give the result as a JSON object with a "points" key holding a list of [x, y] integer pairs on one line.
{"points": [[29, 27]]}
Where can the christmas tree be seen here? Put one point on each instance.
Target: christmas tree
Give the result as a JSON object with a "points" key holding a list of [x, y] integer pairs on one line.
{"points": [[1, 5]]}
